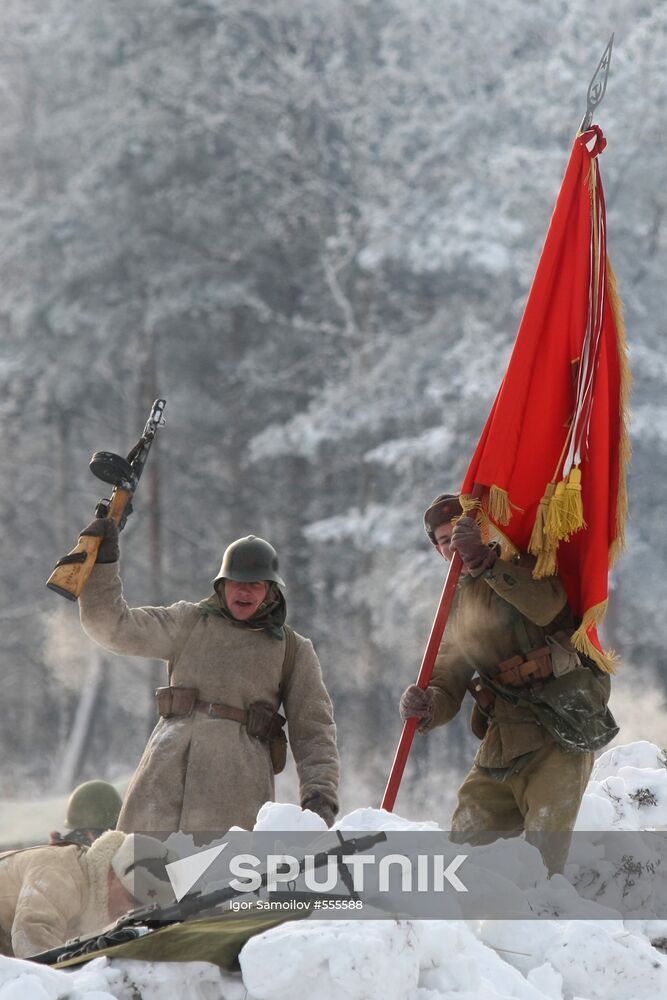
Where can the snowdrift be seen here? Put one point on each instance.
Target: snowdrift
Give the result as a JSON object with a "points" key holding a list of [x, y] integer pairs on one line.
{"points": [[546, 959]]}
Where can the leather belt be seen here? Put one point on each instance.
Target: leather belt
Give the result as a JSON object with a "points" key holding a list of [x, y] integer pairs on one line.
{"points": [[217, 710]]}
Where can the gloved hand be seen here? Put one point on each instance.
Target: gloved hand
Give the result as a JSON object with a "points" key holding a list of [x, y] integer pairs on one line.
{"points": [[467, 541], [322, 806], [106, 529], [418, 704]]}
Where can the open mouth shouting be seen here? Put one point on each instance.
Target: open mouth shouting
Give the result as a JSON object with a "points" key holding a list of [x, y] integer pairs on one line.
{"points": [[243, 599]]}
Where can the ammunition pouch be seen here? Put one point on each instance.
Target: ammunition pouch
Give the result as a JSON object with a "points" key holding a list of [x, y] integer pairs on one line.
{"points": [[554, 685], [564, 657], [519, 671], [482, 710], [479, 723], [265, 724]]}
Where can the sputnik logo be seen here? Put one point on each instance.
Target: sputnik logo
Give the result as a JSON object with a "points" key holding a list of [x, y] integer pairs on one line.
{"points": [[185, 872]]}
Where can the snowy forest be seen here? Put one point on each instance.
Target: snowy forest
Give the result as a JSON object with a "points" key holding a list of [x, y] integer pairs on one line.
{"points": [[311, 226]]}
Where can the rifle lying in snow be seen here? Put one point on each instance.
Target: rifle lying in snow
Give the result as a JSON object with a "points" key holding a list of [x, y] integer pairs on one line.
{"points": [[72, 571], [144, 919]]}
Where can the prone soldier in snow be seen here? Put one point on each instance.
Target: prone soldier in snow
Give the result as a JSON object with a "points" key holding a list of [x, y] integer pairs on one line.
{"points": [[211, 760], [51, 894], [540, 706]]}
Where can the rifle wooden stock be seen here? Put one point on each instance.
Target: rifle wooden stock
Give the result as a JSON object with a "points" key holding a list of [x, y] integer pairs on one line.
{"points": [[70, 576]]}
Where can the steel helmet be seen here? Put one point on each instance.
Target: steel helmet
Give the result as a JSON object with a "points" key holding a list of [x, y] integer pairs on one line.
{"points": [[94, 805], [248, 560]]}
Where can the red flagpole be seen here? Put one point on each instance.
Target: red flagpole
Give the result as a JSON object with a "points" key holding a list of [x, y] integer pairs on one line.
{"points": [[425, 674]]}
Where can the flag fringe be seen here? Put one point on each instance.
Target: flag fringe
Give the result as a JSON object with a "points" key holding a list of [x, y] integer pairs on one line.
{"points": [[607, 661], [500, 508], [471, 506], [478, 508], [625, 449], [508, 550]]}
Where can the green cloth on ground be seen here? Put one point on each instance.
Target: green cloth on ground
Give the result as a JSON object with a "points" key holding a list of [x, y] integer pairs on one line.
{"points": [[207, 939]]}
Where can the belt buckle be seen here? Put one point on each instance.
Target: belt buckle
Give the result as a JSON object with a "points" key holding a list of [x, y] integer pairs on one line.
{"points": [[209, 710]]}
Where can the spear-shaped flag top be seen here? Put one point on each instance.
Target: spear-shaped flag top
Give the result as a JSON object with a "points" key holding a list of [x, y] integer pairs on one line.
{"points": [[554, 451]]}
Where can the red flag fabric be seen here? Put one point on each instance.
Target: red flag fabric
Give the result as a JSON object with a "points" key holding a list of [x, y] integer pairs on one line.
{"points": [[552, 457]]}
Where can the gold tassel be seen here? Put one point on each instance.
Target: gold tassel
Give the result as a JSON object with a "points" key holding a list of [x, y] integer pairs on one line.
{"points": [[565, 513], [489, 530], [555, 528], [542, 544], [573, 508], [537, 538], [608, 662], [500, 509], [471, 507], [547, 564]]}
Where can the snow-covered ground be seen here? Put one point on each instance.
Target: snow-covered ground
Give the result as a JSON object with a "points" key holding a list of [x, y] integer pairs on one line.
{"points": [[546, 959]]}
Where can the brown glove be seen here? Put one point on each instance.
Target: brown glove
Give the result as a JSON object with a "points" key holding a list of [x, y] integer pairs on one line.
{"points": [[467, 541], [322, 806], [106, 529], [416, 703]]}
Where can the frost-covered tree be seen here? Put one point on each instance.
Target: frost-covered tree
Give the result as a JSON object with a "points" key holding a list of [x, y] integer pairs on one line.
{"points": [[312, 226]]}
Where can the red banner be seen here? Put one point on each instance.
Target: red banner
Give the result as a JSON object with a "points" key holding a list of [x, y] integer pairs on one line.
{"points": [[553, 453]]}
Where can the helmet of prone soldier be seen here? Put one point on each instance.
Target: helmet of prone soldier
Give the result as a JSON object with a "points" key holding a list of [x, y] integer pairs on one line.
{"points": [[94, 805], [444, 508], [248, 560]]}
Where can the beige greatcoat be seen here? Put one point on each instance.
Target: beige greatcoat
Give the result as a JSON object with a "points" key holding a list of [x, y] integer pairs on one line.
{"points": [[206, 774], [51, 894]]}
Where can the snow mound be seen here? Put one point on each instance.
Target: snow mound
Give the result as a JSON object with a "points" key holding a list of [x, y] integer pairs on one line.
{"points": [[103, 979], [547, 959], [277, 816], [627, 790]]}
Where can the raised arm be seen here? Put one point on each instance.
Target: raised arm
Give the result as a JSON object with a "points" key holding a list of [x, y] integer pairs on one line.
{"points": [[108, 620], [539, 600]]}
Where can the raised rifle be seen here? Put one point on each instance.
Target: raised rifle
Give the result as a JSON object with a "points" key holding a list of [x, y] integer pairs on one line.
{"points": [[72, 571]]}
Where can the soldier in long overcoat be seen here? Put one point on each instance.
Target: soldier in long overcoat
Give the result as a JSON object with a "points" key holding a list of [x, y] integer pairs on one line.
{"points": [[541, 707], [208, 764]]}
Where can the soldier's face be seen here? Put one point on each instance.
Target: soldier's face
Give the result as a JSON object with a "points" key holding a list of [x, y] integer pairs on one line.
{"points": [[443, 538], [120, 900], [243, 599]]}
